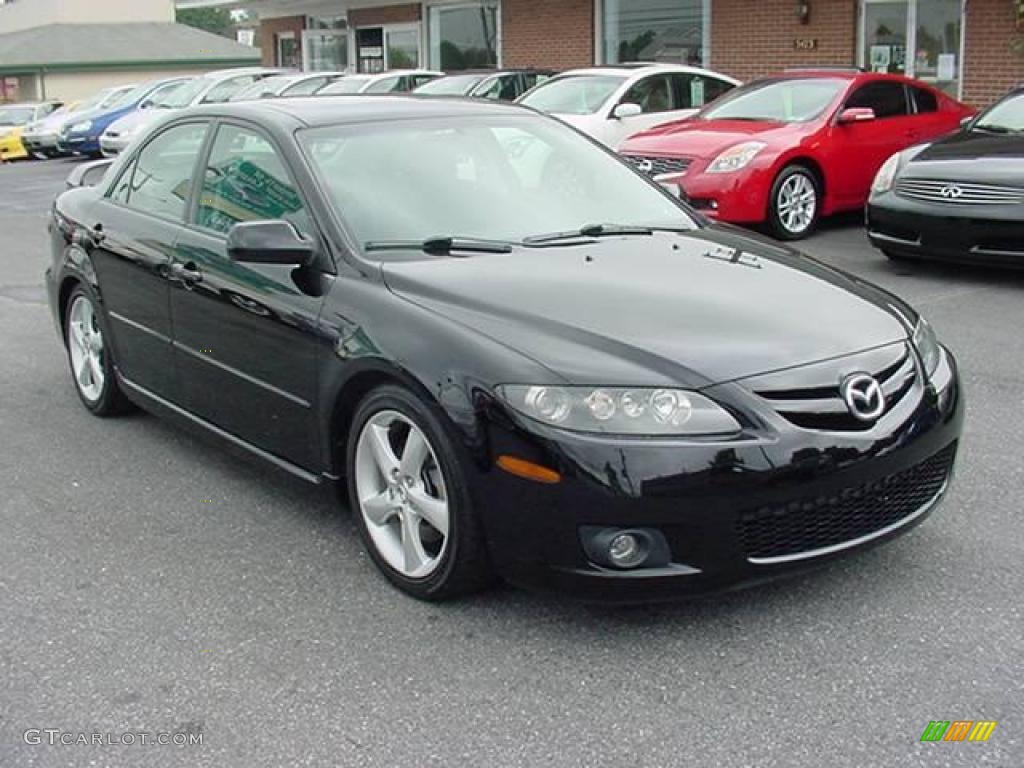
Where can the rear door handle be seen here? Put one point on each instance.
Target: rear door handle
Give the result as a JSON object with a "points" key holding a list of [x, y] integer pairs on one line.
{"points": [[188, 273]]}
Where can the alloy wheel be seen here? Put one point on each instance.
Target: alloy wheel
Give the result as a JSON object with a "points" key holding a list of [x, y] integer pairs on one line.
{"points": [[401, 494], [797, 203], [85, 343]]}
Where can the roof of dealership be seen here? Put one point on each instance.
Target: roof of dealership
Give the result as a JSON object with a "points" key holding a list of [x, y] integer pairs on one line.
{"points": [[136, 45]]}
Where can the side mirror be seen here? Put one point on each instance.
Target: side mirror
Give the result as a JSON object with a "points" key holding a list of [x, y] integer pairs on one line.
{"points": [[89, 174], [627, 109], [856, 115], [268, 242], [146, 104], [967, 121]]}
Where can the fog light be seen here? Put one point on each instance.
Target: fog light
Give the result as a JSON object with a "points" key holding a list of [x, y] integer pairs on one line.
{"points": [[626, 551]]}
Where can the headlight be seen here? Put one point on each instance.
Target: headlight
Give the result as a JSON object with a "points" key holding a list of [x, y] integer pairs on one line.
{"points": [[620, 411], [85, 125], [927, 346], [737, 157], [886, 175]]}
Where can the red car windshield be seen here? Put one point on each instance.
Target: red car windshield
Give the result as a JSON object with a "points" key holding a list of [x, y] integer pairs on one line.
{"points": [[792, 100]]}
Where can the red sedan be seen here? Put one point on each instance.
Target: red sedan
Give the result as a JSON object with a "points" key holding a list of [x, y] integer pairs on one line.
{"points": [[789, 149]]}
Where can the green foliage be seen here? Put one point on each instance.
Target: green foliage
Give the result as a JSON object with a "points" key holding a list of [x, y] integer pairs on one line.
{"points": [[215, 20]]}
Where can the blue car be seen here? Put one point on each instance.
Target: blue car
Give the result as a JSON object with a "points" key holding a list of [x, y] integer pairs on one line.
{"points": [[81, 135]]}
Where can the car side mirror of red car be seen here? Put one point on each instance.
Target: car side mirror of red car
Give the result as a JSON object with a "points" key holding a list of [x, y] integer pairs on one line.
{"points": [[856, 115]]}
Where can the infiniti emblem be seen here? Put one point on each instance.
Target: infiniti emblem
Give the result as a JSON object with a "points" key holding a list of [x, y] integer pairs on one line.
{"points": [[863, 396], [951, 191], [644, 165]]}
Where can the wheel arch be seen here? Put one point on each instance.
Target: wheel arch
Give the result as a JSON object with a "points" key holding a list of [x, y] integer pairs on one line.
{"points": [[815, 167]]}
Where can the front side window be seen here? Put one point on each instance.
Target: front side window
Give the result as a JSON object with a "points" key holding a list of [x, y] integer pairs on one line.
{"points": [[794, 100], [347, 84], [574, 94], [161, 179], [886, 98], [384, 85], [654, 30], [224, 91], [652, 94], [246, 180], [464, 36], [499, 178], [694, 91]]}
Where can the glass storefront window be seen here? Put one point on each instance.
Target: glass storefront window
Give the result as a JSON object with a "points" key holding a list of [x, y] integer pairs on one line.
{"points": [[324, 51], [403, 48], [654, 30], [917, 38], [464, 36]]}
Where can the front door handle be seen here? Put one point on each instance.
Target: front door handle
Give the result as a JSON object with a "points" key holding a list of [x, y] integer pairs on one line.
{"points": [[188, 272]]}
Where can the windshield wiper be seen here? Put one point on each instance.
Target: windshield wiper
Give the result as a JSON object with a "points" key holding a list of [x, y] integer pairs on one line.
{"points": [[993, 128], [441, 246], [600, 230]]}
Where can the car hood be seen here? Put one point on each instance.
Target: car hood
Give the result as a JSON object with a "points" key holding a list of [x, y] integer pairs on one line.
{"points": [[705, 138], [970, 156], [692, 310]]}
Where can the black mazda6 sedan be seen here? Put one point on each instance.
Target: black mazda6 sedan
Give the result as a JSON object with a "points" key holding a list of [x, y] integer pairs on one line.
{"points": [[520, 356], [960, 198]]}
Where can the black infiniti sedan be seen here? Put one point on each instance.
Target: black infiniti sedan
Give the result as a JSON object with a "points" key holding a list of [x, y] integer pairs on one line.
{"points": [[960, 198], [520, 356]]}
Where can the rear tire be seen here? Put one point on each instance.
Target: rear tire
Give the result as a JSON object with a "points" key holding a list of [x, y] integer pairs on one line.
{"points": [[794, 204], [410, 498], [89, 355]]}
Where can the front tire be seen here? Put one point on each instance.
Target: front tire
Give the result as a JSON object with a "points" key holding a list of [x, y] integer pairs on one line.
{"points": [[795, 203], [410, 498], [89, 356]]}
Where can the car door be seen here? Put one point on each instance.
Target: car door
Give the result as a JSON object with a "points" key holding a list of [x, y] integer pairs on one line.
{"points": [[244, 334], [136, 226], [860, 148]]}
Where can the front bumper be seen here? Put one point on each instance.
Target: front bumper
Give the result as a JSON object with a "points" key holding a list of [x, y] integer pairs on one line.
{"points": [[723, 508], [111, 146], [76, 144], [947, 231], [39, 142], [11, 148]]}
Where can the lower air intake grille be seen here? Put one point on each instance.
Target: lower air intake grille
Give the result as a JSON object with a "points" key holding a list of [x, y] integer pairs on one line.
{"points": [[825, 521]]}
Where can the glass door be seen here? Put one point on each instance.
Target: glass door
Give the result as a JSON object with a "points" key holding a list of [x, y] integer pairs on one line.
{"points": [[370, 50], [917, 38]]}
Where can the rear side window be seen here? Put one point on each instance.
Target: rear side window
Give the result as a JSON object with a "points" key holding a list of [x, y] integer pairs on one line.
{"points": [[160, 180], [306, 87], [694, 91], [886, 98], [385, 85], [925, 100], [246, 180]]}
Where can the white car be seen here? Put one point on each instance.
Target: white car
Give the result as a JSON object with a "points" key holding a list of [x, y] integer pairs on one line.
{"points": [[212, 88], [612, 103], [395, 81]]}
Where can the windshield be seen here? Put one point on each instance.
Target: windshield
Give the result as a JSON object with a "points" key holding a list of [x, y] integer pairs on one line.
{"points": [[122, 96], [346, 85], [573, 94], [505, 177], [1006, 115], [457, 85], [794, 100], [182, 97], [16, 115]]}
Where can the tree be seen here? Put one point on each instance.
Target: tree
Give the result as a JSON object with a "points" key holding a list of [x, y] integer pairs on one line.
{"points": [[215, 20]]}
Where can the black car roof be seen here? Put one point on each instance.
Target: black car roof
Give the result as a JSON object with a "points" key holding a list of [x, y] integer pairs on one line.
{"points": [[315, 111]]}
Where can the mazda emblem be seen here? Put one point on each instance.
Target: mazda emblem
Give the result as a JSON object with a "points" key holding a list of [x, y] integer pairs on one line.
{"points": [[951, 191], [863, 396]]}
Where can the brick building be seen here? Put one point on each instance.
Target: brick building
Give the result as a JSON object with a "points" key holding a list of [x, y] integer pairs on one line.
{"points": [[971, 48]]}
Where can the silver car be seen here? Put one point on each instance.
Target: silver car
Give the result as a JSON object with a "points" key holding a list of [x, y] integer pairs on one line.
{"points": [[211, 88]]}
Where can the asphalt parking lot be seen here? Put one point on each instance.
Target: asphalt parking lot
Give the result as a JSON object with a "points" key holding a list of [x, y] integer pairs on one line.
{"points": [[150, 582]]}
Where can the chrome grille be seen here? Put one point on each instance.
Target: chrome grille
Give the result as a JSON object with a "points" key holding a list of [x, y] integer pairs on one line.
{"points": [[958, 192], [659, 166], [818, 403]]}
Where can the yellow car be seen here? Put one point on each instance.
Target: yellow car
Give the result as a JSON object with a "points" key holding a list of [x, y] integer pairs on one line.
{"points": [[13, 119]]}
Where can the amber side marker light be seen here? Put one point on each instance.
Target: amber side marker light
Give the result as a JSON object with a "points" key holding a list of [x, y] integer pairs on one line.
{"points": [[528, 470]]}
